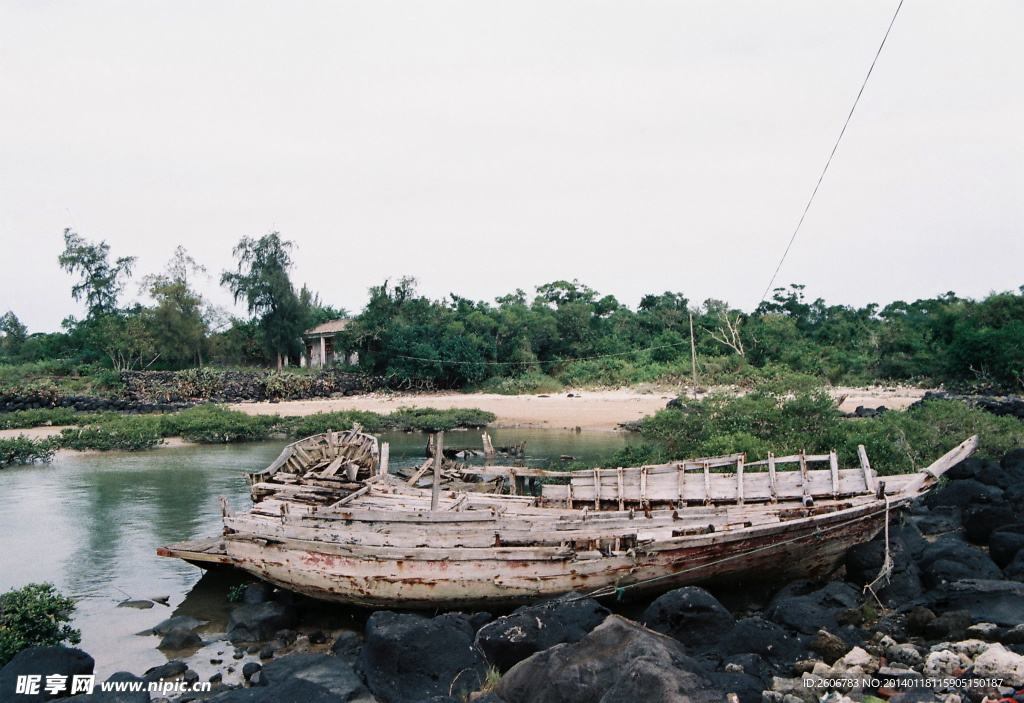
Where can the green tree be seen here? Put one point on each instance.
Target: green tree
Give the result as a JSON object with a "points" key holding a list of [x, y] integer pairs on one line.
{"points": [[262, 279], [35, 615], [178, 322], [100, 282], [14, 335]]}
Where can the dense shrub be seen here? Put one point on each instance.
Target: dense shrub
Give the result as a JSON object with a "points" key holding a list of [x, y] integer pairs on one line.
{"points": [[43, 417], [114, 431], [425, 419], [24, 450], [212, 424], [35, 615], [761, 422]]}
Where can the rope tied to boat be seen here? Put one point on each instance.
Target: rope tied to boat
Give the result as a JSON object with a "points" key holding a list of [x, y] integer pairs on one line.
{"points": [[887, 565]]}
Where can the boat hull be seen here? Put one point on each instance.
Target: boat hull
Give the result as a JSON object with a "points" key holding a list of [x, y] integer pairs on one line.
{"points": [[811, 547]]}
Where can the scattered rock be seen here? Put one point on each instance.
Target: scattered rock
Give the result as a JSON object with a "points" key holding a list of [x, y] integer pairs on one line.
{"points": [[999, 602], [410, 657], [998, 663], [316, 637], [137, 604], [944, 518], [346, 646], [257, 622], [1004, 542], [941, 664], [984, 631], [801, 614], [951, 624], [828, 646], [981, 520], [618, 661], [256, 593], [918, 620], [182, 621], [322, 669], [761, 637], [691, 615], [512, 638], [250, 668], [170, 670], [100, 696], [179, 638]]}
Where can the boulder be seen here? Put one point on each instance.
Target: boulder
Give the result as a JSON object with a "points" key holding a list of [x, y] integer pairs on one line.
{"points": [[1004, 542], [618, 661], [512, 638], [250, 668], [100, 696], [179, 638], [829, 646], [410, 657], [291, 691], [256, 593], [944, 562], [999, 602], [998, 663], [691, 615], [943, 518], [962, 494], [864, 561], [327, 671], [182, 621], [42, 661], [170, 670], [952, 624], [1013, 460], [257, 622], [1015, 569], [762, 637], [346, 646], [747, 687], [801, 614], [981, 520]]}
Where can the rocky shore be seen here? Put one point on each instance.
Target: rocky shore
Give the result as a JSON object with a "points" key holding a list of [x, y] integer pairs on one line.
{"points": [[933, 611]]}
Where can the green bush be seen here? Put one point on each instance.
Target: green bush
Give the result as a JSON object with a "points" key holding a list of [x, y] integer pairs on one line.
{"points": [[760, 422], [114, 431], [42, 417], [212, 424], [524, 384], [35, 615], [424, 419], [24, 450]]}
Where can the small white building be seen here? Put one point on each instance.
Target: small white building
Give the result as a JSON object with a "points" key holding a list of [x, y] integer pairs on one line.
{"points": [[320, 344]]}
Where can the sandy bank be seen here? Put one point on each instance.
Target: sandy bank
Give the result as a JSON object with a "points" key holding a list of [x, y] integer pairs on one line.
{"points": [[589, 410]]}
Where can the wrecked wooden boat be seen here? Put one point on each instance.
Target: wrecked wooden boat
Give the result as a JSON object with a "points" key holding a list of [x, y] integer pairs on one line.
{"points": [[371, 539]]}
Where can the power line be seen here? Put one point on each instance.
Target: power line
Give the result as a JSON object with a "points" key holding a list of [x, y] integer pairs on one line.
{"points": [[841, 133]]}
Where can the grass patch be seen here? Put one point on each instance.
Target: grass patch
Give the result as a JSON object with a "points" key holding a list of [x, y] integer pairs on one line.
{"points": [[762, 422]]}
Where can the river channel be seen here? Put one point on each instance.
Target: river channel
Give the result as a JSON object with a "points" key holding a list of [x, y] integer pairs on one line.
{"points": [[90, 523]]}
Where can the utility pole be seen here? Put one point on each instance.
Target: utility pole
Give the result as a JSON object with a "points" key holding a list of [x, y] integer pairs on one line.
{"points": [[693, 355]]}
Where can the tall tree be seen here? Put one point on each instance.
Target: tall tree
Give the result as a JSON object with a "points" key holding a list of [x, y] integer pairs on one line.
{"points": [[262, 279], [100, 282], [179, 323], [14, 335]]}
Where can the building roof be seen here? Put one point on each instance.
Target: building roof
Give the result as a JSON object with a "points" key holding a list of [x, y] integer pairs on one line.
{"points": [[326, 329]]}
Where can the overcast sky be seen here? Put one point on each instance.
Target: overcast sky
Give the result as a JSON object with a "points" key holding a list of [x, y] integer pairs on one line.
{"points": [[486, 146]]}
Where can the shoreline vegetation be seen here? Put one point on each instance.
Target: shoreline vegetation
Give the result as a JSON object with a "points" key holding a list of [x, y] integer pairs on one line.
{"points": [[205, 424], [754, 423]]}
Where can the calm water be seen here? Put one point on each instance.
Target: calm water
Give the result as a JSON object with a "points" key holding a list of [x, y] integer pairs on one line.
{"points": [[91, 524]]}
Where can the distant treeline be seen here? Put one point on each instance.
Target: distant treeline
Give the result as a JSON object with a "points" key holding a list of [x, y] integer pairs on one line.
{"points": [[566, 334]]}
